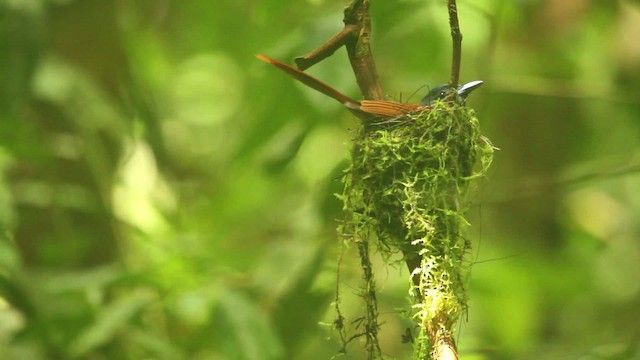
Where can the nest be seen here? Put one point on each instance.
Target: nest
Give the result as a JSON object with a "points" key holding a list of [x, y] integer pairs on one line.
{"points": [[406, 190]]}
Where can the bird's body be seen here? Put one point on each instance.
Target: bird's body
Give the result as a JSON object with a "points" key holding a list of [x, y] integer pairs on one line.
{"points": [[371, 108]]}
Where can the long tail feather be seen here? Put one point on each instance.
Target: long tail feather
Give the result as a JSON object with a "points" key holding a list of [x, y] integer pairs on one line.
{"points": [[312, 82]]}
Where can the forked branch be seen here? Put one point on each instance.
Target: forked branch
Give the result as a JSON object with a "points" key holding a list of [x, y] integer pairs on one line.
{"points": [[356, 37]]}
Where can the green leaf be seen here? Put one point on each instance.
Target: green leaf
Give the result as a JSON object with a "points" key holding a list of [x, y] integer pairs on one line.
{"points": [[109, 322], [251, 335]]}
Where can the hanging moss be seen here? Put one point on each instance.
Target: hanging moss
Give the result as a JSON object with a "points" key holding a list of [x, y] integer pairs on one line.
{"points": [[405, 190]]}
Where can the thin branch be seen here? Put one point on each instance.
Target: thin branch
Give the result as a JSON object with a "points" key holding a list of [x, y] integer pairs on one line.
{"points": [[327, 49], [540, 186], [356, 37], [371, 326], [359, 50], [456, 38]]}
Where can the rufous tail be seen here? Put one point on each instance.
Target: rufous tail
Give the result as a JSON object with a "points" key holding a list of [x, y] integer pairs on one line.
{"points": [[312, 82]]}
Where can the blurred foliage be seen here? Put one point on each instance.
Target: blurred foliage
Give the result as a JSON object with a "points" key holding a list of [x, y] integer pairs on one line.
{"points": [[165, 196]]}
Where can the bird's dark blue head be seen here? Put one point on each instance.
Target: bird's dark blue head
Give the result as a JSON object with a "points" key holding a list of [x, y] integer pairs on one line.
{"points": [[441, 91]]}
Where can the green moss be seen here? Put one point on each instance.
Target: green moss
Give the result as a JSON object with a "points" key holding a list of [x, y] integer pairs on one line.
{"points": [[406, 190]]}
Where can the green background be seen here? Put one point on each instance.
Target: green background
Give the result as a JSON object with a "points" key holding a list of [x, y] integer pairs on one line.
{"points": [[164, 195]]}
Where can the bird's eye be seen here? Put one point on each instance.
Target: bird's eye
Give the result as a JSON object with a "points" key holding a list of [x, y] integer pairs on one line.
{"points": [[443, 93]]}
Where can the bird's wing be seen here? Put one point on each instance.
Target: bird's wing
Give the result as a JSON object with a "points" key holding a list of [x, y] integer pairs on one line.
{"points": [[389, 108]]}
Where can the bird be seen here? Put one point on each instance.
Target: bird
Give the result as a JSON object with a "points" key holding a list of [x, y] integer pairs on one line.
{"points": [[366, 109]]}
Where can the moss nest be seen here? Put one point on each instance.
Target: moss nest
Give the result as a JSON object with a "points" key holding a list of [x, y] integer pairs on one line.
{"points": [[406, 188]]}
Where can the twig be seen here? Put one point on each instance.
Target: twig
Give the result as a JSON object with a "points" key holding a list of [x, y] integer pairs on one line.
{"points": [[356, 37], [536, 187], [456, 38], [371, 326], [327, 49]]}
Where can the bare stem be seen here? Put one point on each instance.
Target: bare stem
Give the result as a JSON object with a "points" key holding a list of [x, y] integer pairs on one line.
{"points": [[327, 48], [456, 38], [371, 326]]}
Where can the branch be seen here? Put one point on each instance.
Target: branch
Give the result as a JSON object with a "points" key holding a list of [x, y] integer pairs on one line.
{"points": [[327, 49], [355, 36], [359, 50], [444, 348], [456, 38]]}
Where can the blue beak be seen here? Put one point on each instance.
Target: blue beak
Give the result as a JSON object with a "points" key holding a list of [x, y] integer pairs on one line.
{"points": [[466, 89]]}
